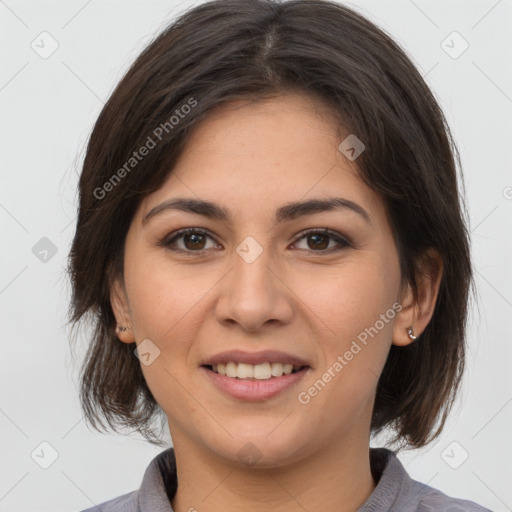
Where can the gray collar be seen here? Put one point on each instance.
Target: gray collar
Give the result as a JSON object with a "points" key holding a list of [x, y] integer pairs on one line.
{"points": [[395, 490]]}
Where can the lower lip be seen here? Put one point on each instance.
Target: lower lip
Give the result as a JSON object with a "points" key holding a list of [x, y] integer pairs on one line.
{"points": [[254, 390]]}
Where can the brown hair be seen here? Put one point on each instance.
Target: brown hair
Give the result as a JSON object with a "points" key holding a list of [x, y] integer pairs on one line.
{"points": [[226, 50]]}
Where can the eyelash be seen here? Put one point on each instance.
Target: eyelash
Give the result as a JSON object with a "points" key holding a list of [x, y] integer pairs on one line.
{"points": [[169, 240]]}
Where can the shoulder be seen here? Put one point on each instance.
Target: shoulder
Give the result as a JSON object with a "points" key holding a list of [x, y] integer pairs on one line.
{"points": [[396, 490], [433, 500], [125, 503], [159, 484]]}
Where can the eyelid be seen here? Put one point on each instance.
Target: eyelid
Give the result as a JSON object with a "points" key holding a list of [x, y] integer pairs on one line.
{"points": [[337, 237], [342, 241], [166, 241]]}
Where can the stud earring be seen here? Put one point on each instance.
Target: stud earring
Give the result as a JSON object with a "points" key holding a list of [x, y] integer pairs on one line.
{"points": [[410, 332], [122, 328]]}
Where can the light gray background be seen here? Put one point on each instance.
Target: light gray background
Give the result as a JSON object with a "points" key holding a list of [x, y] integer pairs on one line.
{"points": [[48, 109]]}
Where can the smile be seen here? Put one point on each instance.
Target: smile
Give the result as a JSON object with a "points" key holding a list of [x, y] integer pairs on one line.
{"points": [[261, 386], [263, 371]]}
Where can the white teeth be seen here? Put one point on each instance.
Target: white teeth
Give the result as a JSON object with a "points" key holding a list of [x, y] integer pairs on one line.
{"points": [[278, 369], [231, 369], [245, 371], [263, 371]]}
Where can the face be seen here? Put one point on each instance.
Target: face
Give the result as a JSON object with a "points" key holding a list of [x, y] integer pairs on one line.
{"points": [[258, 282]]}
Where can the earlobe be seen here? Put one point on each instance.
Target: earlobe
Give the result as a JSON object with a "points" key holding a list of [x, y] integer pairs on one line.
{"points": [[121, 309], [410, 333], [124, 335], [417, 309]]}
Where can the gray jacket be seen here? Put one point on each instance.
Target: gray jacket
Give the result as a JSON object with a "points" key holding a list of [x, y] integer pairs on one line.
{"points": [[395, 491]]}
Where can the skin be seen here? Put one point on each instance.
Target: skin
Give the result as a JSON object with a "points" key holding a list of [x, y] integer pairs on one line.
{"points": [[252, 158]]}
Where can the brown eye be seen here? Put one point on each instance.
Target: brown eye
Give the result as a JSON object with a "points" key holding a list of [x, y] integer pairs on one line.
{"points": [[188, 240], [193, 241], [319, 240]]}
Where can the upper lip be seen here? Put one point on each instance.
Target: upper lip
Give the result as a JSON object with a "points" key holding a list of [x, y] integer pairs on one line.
{"points": [[264, 356]]}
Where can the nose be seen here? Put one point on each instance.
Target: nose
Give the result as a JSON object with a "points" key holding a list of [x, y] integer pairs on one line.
{"points": [[254, 294]]}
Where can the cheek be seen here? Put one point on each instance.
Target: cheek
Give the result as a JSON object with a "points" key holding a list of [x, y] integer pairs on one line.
{"points": [[165, 304], [162, 294], [355, 306], [351, 298]]}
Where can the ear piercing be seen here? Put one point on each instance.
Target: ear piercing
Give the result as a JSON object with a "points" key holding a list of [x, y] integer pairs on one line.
{"points": [[122, 328]]}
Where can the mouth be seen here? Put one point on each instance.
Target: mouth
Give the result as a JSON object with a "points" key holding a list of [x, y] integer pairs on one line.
{"points": [[254, 372], [254, 383], [255, 376]]}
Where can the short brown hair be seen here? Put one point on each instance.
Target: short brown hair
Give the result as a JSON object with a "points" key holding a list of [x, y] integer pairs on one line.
{"points": [[226, 50]]}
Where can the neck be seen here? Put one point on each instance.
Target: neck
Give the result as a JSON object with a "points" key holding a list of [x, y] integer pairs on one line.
{"points": [[335, 479]]}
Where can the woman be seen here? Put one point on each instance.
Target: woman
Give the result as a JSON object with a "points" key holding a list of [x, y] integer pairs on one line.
{"points": [[272, 246]]}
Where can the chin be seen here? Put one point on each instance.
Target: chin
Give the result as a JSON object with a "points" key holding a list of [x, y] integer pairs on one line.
{"points": [[261, 451]]}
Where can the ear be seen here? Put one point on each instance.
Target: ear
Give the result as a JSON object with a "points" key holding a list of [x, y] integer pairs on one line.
{"points": [[417, 312], [121, 308]]}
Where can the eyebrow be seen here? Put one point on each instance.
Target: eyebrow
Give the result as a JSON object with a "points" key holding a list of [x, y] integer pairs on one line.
{"points": [[287, 212]]}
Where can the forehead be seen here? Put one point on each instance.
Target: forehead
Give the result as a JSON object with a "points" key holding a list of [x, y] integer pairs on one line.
{"points": [[252, 155], [283, 121]]}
